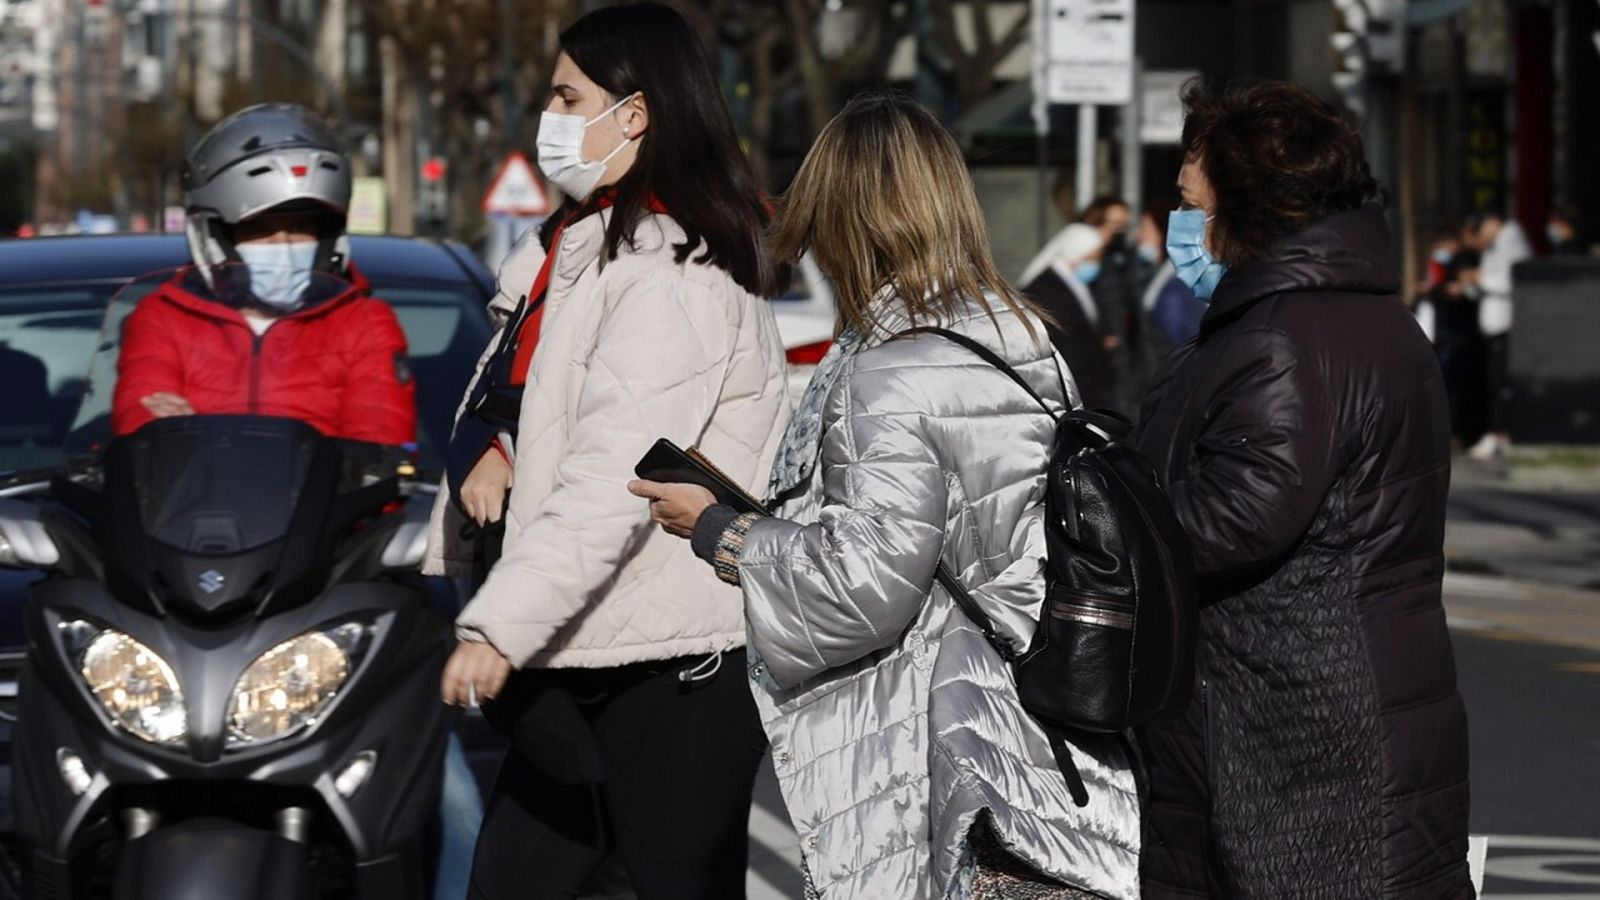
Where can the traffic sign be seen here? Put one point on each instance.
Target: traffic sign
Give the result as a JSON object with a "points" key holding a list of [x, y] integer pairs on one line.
{"points": [[1088, 52], [515, 190]]}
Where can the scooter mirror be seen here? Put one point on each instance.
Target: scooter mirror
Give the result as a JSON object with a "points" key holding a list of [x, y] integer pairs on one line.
{"points": [[409, 544], [24, 541]]}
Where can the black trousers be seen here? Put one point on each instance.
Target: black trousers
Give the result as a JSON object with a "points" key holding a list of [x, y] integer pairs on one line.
{"points": [[632, 759], [1499, 365]]}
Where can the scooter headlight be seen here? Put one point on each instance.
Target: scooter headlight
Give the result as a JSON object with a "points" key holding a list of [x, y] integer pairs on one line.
{"points": [[136, 686], [288, 687]]}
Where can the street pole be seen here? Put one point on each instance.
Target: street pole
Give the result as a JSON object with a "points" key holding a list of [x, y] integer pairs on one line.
{"points": [[1041, 111], [508, 74], [1088, 122], [1133, 145]]}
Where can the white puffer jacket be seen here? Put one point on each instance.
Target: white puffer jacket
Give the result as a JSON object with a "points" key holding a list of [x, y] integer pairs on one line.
{"points": [[641, 348]]}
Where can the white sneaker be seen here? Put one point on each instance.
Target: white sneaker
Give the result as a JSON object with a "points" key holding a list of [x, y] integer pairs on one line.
{"points": [[1487, 449]]}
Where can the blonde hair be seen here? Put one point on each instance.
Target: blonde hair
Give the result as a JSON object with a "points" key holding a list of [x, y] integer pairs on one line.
{"points": [[884, 200]]}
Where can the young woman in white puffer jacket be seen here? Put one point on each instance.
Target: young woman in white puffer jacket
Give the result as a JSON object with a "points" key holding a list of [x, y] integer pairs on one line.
{"points": [[596, 643]]}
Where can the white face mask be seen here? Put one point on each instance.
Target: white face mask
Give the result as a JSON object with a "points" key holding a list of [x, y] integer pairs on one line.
{"points": [[560, 144], [279, 272]]}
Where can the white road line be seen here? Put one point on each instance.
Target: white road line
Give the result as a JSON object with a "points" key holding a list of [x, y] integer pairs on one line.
{"points": [[775, 834]]}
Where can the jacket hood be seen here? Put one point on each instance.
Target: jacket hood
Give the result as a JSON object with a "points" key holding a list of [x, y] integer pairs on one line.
{"points": [[1348, 251]]}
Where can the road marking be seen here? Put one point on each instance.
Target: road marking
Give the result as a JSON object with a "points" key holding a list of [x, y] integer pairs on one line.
{"points": [[1550, 862], [772, 832]]}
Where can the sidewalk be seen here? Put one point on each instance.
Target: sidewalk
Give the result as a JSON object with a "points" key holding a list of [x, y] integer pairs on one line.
{"points": [[1530, 521]]}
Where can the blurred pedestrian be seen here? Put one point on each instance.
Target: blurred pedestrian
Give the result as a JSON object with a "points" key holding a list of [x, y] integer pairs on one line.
{"points": [[909, 767], [1442, 251], [1451, 311], [606, 653], [1171, 309], [1304, 441], [1077, 326], [1503, 245], [1117, 292], [1563, 233]]}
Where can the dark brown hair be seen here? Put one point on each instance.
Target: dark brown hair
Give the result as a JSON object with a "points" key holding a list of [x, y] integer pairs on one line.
{"points": [[1278, 159], [689, 159]]}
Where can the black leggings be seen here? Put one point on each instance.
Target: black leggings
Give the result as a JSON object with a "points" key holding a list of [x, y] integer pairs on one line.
{"points": [[663, 776]]}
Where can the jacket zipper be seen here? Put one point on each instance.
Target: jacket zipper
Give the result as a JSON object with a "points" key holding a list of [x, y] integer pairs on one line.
{"points": [[255, 371], [1205, 724], [1093, 614]]}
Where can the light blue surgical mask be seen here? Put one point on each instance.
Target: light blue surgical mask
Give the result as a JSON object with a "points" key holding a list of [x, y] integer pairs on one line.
{"points": [[1186, 247], [279, 272], [1149, 253], [1086, 272], [1442, 256]]}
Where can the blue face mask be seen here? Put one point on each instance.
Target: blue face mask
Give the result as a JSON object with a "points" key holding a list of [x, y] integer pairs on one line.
{"points": [[279, 272], [1186, 247], [1086, 272], [1442, 256], [1149, 253]]}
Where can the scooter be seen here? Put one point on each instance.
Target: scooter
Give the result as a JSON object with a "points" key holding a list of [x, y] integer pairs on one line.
{"points": [[231, 686]]}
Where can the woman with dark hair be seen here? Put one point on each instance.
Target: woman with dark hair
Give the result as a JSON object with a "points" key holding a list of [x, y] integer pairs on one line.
{"points": [[1304, 439], [605, 652], [909, 767]]}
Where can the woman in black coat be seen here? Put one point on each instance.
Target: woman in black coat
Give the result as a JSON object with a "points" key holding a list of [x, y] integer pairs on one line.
{"points": [[1305, 442]]}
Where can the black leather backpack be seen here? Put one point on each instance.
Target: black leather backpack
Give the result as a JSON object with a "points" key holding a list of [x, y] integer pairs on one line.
{"points": [[1115, 642]]}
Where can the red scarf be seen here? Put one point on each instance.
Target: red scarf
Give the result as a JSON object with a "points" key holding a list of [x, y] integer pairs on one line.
{"points": [[528, 332]]}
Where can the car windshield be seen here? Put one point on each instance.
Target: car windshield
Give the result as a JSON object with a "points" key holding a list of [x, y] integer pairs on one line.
{"points": [[59, 350]]}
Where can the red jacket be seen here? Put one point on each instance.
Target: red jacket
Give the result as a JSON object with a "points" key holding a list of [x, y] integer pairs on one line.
{"points": [[339, 366]]}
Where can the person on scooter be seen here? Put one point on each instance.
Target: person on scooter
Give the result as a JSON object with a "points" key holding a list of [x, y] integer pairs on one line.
{"points": [[266, 194], [275, 319]]}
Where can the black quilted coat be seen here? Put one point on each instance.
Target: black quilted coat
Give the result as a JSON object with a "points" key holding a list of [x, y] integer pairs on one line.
{"points": [[1305, 441]]}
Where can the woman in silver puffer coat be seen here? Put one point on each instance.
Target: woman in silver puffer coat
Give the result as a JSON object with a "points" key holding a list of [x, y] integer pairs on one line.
{"points": [[909, 767]]}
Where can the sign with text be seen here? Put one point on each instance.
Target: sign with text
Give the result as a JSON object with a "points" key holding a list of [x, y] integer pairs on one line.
{"points": [[1088, 54], [1161, 106]]}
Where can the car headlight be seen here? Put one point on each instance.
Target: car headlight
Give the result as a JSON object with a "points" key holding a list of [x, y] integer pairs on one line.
{"points": [[288, 687], [136, 686]]}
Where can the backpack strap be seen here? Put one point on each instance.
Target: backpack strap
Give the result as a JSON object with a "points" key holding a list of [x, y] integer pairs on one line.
{"points": [[1058, 742], [988, 356], [964, 601]]}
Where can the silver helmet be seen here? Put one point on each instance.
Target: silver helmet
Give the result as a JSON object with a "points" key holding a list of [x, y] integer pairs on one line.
{"points": [[273, 157]]}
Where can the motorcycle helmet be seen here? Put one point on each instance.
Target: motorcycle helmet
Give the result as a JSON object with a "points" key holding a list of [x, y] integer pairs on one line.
{"points": [[273, 157]]}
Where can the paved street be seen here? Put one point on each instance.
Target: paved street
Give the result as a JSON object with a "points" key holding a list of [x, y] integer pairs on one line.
{"points": [[1540, 525]]}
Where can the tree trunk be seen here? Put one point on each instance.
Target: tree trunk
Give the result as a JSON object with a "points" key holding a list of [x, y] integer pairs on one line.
{"points": [[330, 54], [399, 137]]}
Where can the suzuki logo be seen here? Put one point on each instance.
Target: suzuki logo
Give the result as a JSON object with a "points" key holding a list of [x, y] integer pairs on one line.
{"points": [[211, 581]]}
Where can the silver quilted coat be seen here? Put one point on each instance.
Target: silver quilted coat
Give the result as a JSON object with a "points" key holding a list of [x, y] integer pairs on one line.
{"points": [[895, 727]]}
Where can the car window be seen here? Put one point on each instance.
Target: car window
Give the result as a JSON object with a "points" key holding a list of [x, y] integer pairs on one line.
{"points": [[47, 336], [445, 333]]}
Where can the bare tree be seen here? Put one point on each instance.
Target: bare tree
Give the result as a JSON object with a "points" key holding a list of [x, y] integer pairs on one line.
{"points": [[973, 66], [449, 55]]}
